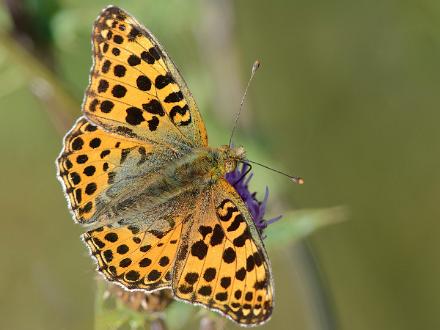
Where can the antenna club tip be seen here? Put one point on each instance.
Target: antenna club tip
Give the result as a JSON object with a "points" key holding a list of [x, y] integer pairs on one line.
{"points": [[298, 180], [256, 66]]}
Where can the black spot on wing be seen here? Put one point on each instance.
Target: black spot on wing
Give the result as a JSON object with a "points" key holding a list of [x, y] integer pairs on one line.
{"points": [[164, 261], [98, 242], [147, 57], [145, 262], [91, 128], [103, 86], [199, 249], [111, 237], [143, 83], [153, 123], [118, 39], [122, 249], [248, 296], [78, 195], [257, 259], [90, 188], [236, 223], [77, 144], [217, 236], [240, 274], [163, 81], [106, 66], [174, 97], [241, 240], [250, 263], [145, 248], [205, 290], [228, 215], [89, 170], [259, 285], [185, 289], [134, 116], [134, 33], [81, 159], [209, 274], [116, 51], [134, 60], [124, 263], [154, 107], [124, 131], [108, 255], [132, 276], [119, 70], [95, 143], [221, 296], [93, 104], [154, 275], [119, 91], [223, 203], [155, 52], [177, 109], [124, 154], [205, 230], [229, 255], [225, 282], [107, 106], [191, 278]]}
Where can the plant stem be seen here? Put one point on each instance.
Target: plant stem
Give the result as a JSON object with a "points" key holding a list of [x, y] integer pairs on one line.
{"points": [[157, 324]]}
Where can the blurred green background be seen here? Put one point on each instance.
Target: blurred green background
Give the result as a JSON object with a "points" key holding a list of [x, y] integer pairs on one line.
{"points": [[347, 97]]}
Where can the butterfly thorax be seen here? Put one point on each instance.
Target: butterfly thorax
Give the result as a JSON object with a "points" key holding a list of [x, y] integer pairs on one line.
{"points": [[203, 167]]}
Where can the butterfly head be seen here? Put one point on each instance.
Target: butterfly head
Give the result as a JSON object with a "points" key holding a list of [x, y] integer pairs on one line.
{"points": [[231, 156]]}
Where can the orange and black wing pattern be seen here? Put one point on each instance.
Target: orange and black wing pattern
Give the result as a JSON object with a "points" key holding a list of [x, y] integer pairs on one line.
{"points": [[135, 89], [226, 267]]}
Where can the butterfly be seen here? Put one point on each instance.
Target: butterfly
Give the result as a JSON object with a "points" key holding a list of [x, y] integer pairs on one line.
{"points": [[151, 194]]}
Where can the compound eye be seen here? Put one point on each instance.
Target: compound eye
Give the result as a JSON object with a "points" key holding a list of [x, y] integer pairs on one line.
{"points": [[230, 165]]}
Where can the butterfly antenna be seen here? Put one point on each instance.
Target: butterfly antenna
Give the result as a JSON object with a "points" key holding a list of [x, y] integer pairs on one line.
{"points": [[255, 67], [295, 179]]}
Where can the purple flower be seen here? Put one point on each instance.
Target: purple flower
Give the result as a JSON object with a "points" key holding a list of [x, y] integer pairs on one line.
{"points": [[256, 208]]}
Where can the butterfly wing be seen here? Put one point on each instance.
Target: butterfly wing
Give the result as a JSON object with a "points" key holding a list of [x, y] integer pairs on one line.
{"points": [[225, 267], [135, 89], [139, 115], [205, 247], [101, 171], [141, 112], [140, 252]]}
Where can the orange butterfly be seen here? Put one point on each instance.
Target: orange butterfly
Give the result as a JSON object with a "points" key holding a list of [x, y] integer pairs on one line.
{"points": [[139, 175]]}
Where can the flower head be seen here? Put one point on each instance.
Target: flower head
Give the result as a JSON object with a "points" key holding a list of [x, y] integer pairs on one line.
{"points": [[239, 179]]}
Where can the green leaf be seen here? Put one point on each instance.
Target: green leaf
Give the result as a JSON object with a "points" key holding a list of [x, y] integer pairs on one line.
{"points": [[298, 224]]}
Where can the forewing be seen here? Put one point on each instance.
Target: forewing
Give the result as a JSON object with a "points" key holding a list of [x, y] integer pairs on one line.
{"points": [[226, 267], [135, 89], [93, 161]]}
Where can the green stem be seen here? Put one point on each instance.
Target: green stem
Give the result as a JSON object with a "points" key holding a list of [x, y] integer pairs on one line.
{"points": [[157, 324]]}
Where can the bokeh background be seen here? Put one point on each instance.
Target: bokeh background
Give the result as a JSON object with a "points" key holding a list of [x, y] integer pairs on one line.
{"points": [[347, 97]]}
